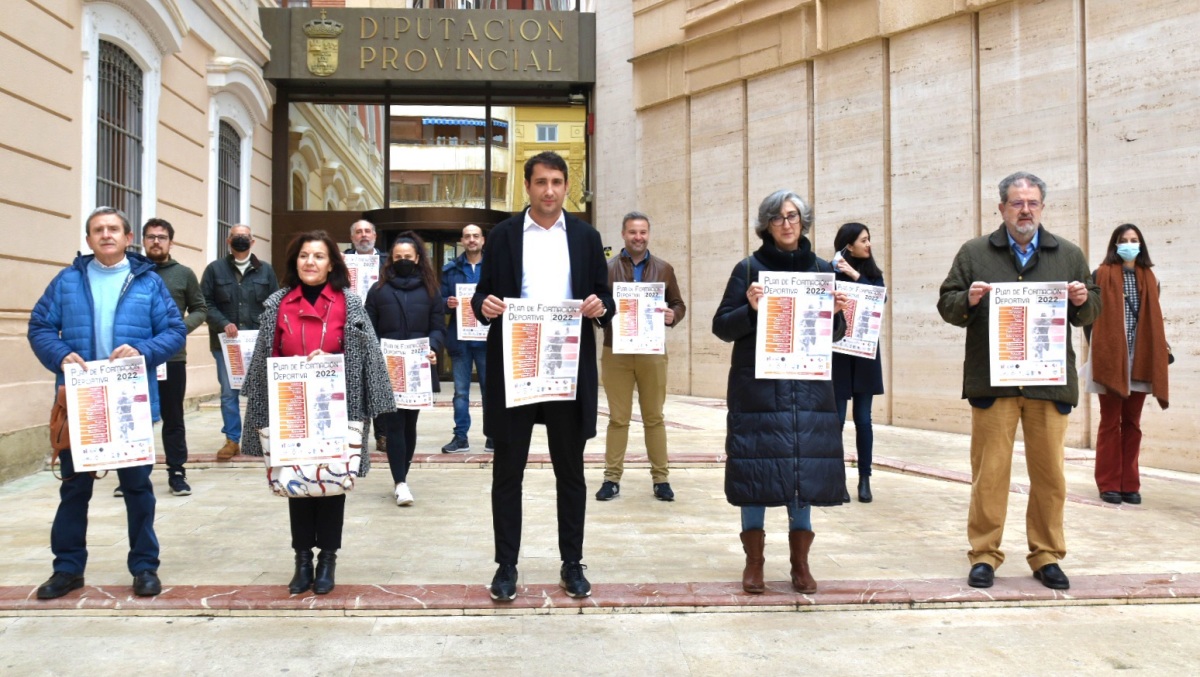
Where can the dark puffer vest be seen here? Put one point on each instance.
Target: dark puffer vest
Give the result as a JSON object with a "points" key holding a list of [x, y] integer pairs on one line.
{"points": [[783, 439]]}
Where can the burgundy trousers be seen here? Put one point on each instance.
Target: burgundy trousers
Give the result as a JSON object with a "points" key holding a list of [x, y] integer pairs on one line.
{"points": [[1118, 443]]}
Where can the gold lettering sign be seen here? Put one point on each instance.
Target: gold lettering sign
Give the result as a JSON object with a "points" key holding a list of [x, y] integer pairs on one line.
{"points": [[323, 45]]}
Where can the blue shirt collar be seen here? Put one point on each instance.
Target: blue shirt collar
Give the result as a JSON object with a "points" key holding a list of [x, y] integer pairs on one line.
{"points": [[638, 268], [1023, 257]]}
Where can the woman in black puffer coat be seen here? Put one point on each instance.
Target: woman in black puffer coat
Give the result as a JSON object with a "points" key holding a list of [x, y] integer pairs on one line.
{"points": [[407, 304], [783, 443]]}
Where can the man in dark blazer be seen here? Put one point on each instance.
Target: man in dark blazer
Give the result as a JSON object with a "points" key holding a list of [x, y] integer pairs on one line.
{"points": [[543, 253]]}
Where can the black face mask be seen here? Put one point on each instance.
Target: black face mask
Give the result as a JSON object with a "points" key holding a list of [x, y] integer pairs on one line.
{"points": [[240, 243], [404, 267]]}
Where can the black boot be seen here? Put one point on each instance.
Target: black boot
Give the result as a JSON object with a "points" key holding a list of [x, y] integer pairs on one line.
{"points": [[303, 579], [864, 489], [326, 564]]}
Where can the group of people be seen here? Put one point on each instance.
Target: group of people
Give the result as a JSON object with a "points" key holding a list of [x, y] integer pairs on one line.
{"points": [[784, 437]]}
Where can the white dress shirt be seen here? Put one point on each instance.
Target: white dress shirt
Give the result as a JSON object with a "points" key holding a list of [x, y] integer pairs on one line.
{"points": [[545, 261]]}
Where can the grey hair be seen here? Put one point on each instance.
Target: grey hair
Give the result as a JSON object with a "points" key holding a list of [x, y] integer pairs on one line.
{"points": [[101, 211], [1021, 177], [634, 216], [772, 206], [241, 225], [361, 221]]}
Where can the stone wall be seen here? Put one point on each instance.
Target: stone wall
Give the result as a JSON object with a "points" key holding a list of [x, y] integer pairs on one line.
{"points": [[917, 109]]}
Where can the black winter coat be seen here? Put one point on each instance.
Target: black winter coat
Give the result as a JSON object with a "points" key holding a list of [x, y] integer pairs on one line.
{"points": [[783, 440], [401, 309], [853, 375]]}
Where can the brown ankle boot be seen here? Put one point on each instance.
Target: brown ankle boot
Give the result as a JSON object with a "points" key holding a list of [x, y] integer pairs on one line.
{"points": [[752, 544], [800, 541]]}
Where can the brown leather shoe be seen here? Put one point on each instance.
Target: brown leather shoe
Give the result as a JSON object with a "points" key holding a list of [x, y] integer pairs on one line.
{"points": [[228, 451], [799, 541], [753, 542]]}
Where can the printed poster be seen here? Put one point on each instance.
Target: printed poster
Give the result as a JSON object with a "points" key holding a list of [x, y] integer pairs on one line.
{"points": [[410, 372], [108, 409], [364, 272], [160, 372], [864, 319], [1027, 333], [469, 326], [307, 400], [640, 327], [795, 326], [238, 352], [541, 350]]}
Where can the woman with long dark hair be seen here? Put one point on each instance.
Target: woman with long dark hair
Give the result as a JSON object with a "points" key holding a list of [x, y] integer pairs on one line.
{"points": [[782, 443], [1128, 359], [407, 304], [314, 313], [858, 378]]}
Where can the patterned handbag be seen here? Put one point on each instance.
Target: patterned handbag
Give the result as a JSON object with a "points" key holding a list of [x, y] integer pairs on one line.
{"points": [[317, 480]]}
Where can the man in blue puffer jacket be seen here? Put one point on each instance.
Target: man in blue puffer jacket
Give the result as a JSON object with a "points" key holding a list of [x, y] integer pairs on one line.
{"points": [[108, 305]]}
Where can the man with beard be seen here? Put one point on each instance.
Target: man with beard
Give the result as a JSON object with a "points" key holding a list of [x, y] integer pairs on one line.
{"points": [[464, 269], [234, 289], [158, 235], [1020, 250]]}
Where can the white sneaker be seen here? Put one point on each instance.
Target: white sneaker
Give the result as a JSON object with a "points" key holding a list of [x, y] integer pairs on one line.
{"points": [[403, 495]]}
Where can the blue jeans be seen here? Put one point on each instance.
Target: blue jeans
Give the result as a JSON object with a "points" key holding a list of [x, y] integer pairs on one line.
{"points": [[799, 518], [231, 414], [468, 352], [864, 439], [68, 536]]}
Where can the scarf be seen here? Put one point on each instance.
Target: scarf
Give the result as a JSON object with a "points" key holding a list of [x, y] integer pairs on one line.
{"points": [[1110, 354], [775, 259]]}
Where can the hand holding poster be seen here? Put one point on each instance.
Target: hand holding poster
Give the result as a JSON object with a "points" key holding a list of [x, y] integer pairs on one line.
{"points": [[864, 319], [541, 350], [108, 409], [409, 370], [469, 326], [238, 352], [364, 272], [307, 404], [640, 326], [1027, 332], [795, 326]]}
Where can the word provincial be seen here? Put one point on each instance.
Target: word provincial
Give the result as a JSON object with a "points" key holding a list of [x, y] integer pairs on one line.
{"points": [[493, 45]]}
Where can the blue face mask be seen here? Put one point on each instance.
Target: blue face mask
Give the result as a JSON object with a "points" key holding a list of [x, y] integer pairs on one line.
{"points": [[1128, 251]]}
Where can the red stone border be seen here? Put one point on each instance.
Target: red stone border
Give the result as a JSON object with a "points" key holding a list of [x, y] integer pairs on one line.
{"points": [[349, 600]]}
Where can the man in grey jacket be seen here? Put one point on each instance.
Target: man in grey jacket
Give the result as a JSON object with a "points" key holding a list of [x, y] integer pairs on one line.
{"points": [[1021, 250], [158, 236], [234, 289]]}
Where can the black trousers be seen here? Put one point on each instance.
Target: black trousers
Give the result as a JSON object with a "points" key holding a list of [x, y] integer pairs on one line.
{"points": [[401, 428], [317, 522], [170, 402], [508, 472]]}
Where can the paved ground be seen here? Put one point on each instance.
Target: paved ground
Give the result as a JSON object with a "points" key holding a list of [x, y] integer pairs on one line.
{"points": [[892, 597]]}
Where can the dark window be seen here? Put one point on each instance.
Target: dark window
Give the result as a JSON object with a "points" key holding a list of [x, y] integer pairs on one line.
{"points": [[119, 136], [229, 181]]}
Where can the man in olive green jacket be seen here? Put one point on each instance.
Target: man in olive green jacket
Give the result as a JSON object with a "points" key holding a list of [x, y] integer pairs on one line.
{"points": [[1021, 250]]}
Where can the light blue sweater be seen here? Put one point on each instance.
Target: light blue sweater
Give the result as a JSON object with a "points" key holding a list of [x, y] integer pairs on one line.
{"points": [[106, 284]]}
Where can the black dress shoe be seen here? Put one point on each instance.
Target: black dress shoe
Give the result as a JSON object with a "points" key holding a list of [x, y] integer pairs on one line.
{"points": [[864, 489], [1111, 496], [1131, 497], [982, 576], [504, 583], [1052, 577], [146, 584], [59, 584]]}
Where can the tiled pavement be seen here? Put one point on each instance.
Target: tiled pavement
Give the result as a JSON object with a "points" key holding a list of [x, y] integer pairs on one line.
{"points": [[225, 547]]}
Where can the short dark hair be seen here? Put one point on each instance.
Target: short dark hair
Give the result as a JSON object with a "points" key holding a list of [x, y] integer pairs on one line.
{"points": [[339, 277], [156, 222], [1143, 257], [634, 216], [550, 159], [101, 211]]}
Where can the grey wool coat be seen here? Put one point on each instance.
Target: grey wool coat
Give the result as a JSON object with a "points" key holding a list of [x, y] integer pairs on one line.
{"points": [[368, 390]]}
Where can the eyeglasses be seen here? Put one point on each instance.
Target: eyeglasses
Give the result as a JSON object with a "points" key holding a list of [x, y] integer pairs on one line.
{"points": [[792, 218], [156, 238], [1020, 205]]}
